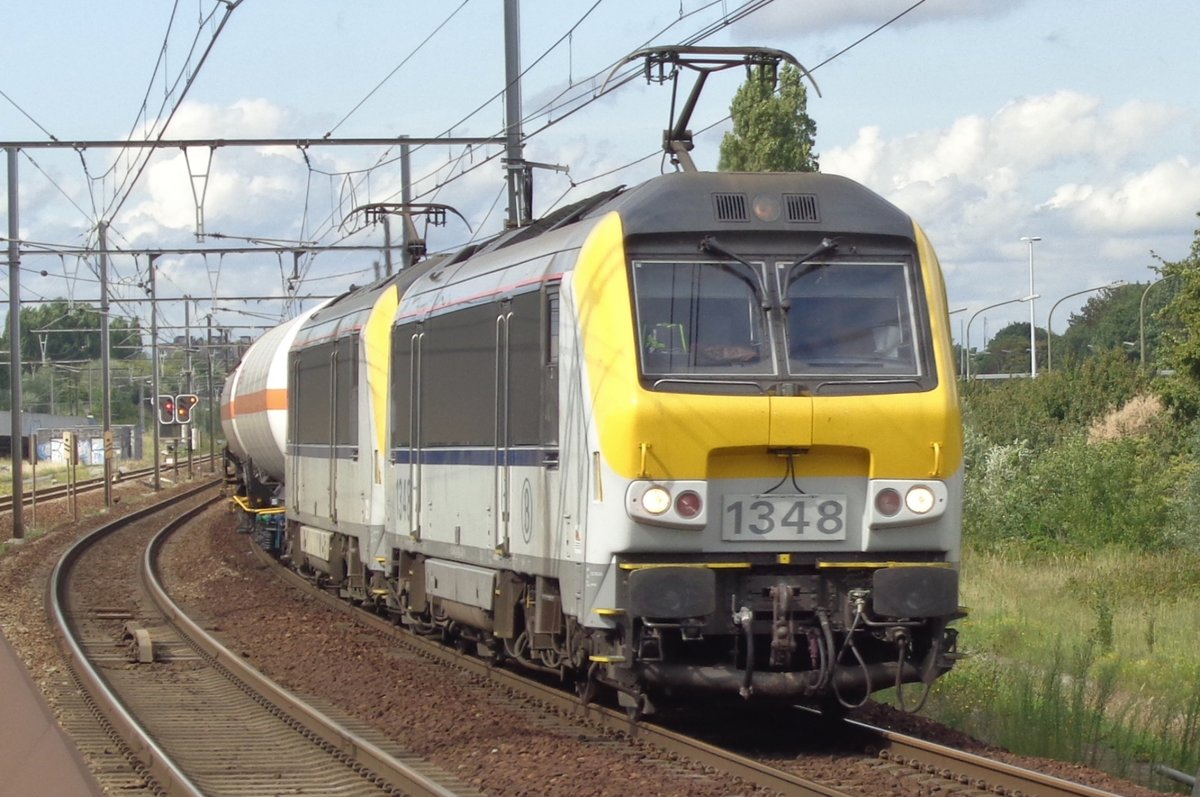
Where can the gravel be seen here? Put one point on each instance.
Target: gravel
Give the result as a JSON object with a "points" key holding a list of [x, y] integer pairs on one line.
{"points": [[500, 745]]}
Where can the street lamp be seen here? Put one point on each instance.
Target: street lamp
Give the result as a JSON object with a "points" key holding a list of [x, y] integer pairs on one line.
{"points": [[1029, 239], [962, 359], [1142, 320], [1050, 318], [1028, 298]]}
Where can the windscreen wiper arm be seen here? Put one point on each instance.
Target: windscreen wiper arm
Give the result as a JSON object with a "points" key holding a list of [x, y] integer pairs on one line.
{"points": [[709, 245], [826, 246]]}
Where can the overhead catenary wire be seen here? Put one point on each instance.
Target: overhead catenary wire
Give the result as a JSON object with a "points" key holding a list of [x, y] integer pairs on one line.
{"points": [[397, 68], [26, 114], [121, 193], [727, 117], [459, 167], [739, 13], [330, 221]]}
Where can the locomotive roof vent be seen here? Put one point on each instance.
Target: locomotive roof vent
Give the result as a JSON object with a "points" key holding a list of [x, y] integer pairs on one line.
{"points": [[802, 207], [731, 207]]}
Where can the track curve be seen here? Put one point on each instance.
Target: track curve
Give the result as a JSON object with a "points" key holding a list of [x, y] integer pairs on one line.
{"points": [[172, 698]]}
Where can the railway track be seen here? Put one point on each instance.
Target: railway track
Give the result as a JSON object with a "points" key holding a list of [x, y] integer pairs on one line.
{"points": [[198, 720], [985, 774], [924, 767], [57, 491]]}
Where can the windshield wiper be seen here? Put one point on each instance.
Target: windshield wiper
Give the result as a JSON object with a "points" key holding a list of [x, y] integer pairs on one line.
{"points": [[826, 246], [709, 245]]}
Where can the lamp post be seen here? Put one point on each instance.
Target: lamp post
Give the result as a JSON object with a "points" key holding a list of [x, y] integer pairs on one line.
{"points": [[960, 327], [1029, 298], [1050, 318], [1029, 239], [1142, 320]]}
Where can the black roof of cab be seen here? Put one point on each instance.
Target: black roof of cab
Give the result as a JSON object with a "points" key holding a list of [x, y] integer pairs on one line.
{"points": [[709, 202]]}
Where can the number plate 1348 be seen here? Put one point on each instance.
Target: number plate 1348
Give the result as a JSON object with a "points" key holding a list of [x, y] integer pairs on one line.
{"points": [[810, 518]]}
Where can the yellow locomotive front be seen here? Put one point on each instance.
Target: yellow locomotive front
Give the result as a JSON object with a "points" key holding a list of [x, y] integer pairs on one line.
{"points": [[776, 447]]}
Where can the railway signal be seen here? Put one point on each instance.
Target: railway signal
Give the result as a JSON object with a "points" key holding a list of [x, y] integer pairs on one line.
{"points": [[166, 409], [183, 407]]}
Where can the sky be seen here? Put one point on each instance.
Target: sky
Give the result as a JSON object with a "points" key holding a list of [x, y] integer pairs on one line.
{"points": [[1075, 121]]}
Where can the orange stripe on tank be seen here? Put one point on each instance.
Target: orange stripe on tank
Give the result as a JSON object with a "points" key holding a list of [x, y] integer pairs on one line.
{"points": [[261, 401]]}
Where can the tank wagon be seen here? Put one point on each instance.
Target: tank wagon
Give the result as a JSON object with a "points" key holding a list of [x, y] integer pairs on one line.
{"points": [[696, 436]]}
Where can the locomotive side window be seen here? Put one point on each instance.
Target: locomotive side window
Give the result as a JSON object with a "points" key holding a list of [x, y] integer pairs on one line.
{"points": [[549, 403], [458, 383], [404, 345], [700, 318], [525, 369], [312, 369], [851, 319], [345, 424], [325, 411]]}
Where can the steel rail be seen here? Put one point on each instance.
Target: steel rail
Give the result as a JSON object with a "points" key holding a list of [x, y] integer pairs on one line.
{"points": [[679, 744], [190, 772], [57, 491], [158, 763], [983, 773], [358, 750]]}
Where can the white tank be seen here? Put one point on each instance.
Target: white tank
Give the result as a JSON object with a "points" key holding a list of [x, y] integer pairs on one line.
{"points": [[254, 404]]}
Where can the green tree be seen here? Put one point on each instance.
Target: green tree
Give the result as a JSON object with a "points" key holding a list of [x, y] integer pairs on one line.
{"points": [[61, 331], [772, 131], [64, 332], [1110, 320], [1008, 351], [1180, 336]]}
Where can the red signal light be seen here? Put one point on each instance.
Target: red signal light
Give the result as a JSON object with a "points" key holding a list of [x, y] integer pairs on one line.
{"points": [[166, 409]]}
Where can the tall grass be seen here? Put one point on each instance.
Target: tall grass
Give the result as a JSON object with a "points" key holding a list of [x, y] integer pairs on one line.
{"points": [[1082, 571], [1081, 658]]}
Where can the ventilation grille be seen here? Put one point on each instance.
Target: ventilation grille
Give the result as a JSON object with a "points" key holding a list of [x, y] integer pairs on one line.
{"points": [[802, 207], [730, 207]]}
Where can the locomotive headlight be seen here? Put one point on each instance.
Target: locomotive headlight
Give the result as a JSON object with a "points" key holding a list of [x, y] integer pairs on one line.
{"points": [[766, 207], [656, 500], [898, 503], [919, 499], [671, 504]]}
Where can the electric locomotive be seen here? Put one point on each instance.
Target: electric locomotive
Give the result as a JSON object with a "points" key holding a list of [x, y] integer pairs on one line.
{"points": [[699, 436]]}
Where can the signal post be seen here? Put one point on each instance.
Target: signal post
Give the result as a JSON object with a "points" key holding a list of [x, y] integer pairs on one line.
{"points": [[174, 416]]}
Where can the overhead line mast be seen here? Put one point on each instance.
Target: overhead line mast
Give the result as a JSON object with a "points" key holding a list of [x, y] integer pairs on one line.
{"points": [[520, 185]]}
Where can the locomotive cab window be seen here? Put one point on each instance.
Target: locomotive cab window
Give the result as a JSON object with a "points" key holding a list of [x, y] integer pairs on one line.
{"points": [[700, 319], [851, 319]]}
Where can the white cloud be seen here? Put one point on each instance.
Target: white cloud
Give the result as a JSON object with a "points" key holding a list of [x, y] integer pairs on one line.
{"points": [[244, 118], [1160, 198], [980, 168]]}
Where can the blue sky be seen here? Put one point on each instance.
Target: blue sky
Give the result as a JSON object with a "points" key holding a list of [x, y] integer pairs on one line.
{"points": [[987, 121]]}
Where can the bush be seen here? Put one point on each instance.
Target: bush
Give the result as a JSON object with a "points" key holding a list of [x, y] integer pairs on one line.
{"points": [[1078, 460], [1042, 411], [1073, 496]]}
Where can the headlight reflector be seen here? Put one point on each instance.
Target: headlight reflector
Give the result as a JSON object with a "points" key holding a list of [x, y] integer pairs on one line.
{"points": [[656, 500], [919, 500]]}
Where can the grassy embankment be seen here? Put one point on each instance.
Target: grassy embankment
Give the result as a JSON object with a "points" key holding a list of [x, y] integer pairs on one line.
{"points": [[1082, 574]]}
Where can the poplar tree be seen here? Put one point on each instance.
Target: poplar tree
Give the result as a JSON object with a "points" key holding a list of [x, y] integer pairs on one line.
{"points": [[772, 131]]}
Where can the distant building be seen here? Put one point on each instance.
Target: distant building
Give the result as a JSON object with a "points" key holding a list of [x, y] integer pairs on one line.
{"points": [[49, 430]]}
